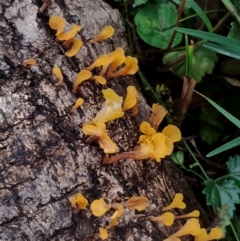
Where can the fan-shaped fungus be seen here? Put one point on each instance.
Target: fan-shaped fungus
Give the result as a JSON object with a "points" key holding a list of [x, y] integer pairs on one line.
{"points": [[78, 103], [78, 202], [29, 62], [202, 236], [77, 44], [138, 203], [130, 68], [131, 100], [166, 218], [103, 233], [215, 233], [99, 207], [116, 58], [111, 109], [102, 60], [193, 214], [70, 34], [83, 75], [57, 23], [106, 33], [58, 73], [176, 203], [117, 214], [172, 134], [98, 132], [100, 79], [192, 227], [158, 113]]}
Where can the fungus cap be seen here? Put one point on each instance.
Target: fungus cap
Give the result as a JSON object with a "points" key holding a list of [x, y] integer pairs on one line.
{"points": [[99, 207], [82, 75], [57, 23], [58, 73], [105, 33], [176, 203], [166, 218], [77, 44]]}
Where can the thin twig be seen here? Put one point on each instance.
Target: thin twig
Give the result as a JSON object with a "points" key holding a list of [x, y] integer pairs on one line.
{"points": [[44, 6], [180, 11]]}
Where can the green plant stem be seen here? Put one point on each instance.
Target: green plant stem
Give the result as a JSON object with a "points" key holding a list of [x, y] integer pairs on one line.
{"points": [[207, 12], [195, 173], [231, 8], [234, 231], [196, 160]]}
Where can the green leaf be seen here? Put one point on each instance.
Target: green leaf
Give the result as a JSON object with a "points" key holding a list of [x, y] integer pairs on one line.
{"points": [[154, 22], [231, 67], [139, 2], [229, 116], [215, 38], [200, 14], [178, 158], [222, 50], [225, 147], [233, 166], [222, 193], [234, 32], [203, 61]]}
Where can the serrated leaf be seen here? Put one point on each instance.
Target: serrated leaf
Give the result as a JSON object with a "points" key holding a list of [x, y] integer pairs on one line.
{"points": [[222, 193], [154, 22], [203, 62], [233, 166]]}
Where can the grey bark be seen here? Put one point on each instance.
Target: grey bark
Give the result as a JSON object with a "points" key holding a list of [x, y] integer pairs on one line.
{"points": [[43, 156]]}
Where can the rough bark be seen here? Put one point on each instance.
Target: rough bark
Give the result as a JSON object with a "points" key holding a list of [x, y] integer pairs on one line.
{"points": [[43, 156]]}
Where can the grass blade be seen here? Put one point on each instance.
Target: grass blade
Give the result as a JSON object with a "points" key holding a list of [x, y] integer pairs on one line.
{"points": [[225, 147], [200, 14], [222, 50], [221, 40], [229, 116]]}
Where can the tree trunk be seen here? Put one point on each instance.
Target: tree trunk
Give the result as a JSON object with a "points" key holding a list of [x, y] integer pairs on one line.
{"points": [[43, 155]]}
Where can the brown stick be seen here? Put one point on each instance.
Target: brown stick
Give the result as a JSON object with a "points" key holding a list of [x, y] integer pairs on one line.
{"points": [[44, 6]]}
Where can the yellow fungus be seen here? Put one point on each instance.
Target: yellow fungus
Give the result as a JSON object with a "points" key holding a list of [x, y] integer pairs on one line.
{"points": [[215, 233], [58, 73], [176, 203], [103, 59], [117, 214], [106, 33], [78, 103], [70, 34], [116, 58], [192, 227], [166, 218], [111, 108], [131, 100], [202, 236], [99, 207], [57, 23], [100, 79], [193, 214], [103, 233], [78, 202], [158, 113], [98, 132], [29, 62], [138, 203], [172, 239], [82, 75], [130, 68], [77, 44], [172, 132]]}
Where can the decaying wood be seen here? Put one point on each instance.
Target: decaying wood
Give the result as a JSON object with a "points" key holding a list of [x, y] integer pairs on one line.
{"points": [[43, 155]]}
